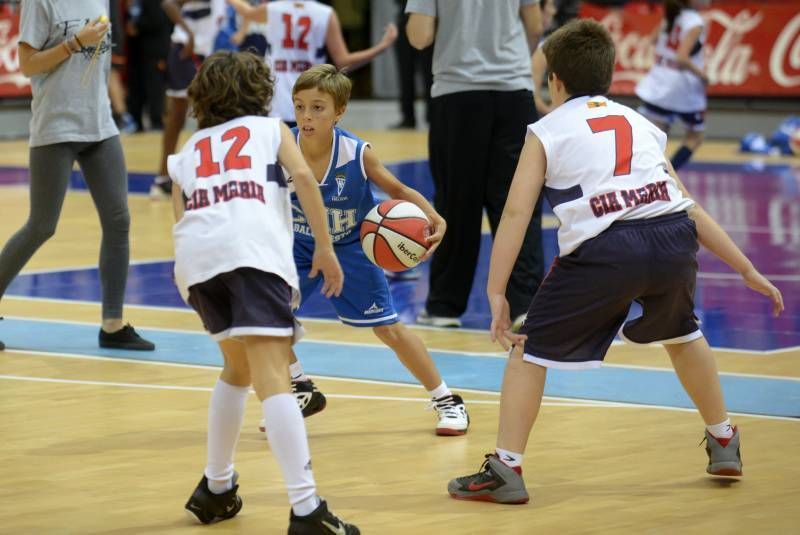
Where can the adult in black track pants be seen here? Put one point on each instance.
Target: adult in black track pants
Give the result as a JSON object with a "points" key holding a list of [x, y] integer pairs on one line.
{"points": [[482, 103]]}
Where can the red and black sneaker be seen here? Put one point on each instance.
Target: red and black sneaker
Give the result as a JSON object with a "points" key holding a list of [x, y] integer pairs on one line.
{"points": [[495, 482]]}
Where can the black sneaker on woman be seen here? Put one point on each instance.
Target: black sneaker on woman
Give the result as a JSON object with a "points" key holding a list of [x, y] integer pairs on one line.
{"points": [[125, 338]]}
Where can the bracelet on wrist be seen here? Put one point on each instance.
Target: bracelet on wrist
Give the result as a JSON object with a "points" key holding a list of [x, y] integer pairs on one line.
{"points": [[67, 48], [78, 41]]}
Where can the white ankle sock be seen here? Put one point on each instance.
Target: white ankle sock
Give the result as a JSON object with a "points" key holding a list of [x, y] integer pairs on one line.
{"points": [[509, 458], [225, 416], [440, 391], [296, 372], [286, 433], [722, 429]]}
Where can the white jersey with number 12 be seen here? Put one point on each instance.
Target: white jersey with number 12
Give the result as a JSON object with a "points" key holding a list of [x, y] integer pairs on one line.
{"points": [[296, 31]]}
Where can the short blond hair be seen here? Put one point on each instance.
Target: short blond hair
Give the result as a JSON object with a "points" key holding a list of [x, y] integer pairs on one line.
{"points": [[327, 79]]}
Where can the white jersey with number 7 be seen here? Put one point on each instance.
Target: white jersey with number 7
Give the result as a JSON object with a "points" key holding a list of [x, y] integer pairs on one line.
{"points": [[296, 31], [605, 162]]}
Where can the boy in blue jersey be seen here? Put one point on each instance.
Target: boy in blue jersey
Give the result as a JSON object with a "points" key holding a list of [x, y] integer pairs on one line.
{"points": [[343, 165]]}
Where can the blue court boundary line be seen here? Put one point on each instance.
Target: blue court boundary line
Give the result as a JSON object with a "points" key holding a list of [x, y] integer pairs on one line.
{"points": [[747, 395]]}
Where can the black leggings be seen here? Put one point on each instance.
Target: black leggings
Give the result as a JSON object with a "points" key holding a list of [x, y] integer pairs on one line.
{"points": [[103, 166]]}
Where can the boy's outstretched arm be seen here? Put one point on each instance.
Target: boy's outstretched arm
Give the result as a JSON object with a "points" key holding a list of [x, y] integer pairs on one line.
{"points": [[525, 188], [307, 190], [173, 10], [715, 239], [341, 56], [249, 13], [397, 190]]}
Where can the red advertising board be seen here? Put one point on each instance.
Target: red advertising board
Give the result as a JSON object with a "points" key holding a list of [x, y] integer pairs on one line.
{"points": [[12, 82], [752, 48]]}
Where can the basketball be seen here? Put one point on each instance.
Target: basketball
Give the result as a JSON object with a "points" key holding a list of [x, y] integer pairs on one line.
{"points": [[394, 235]]}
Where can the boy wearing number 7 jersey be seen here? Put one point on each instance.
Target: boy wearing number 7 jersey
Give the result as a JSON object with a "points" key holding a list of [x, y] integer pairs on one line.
{"points": [[629, 232], [234, 265]]}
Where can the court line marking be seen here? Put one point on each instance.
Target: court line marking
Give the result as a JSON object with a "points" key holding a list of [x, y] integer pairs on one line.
{"points": [[598, 404], [714, 275], [495, 354], [468, 354], [210, 367]]}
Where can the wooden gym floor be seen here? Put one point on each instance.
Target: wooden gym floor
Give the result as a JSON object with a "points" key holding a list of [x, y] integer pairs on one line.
{"points": [[104, 442]]}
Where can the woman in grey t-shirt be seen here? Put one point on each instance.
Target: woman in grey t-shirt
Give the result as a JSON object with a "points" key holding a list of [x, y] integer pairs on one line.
{"points": [[65, 48]]}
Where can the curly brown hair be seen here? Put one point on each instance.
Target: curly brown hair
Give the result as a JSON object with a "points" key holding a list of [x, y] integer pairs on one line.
{"points": [[229, 85]]}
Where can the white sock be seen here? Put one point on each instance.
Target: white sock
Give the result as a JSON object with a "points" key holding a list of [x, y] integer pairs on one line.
{"points": [[225, 416], [509, 458], [440, 391], [722, 429], [296, 372], [286, 433]]}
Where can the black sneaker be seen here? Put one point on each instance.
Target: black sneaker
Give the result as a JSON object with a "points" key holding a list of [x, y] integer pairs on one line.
{"points": [[125, 338], [309, 399], [207, 507], [320, 522]]}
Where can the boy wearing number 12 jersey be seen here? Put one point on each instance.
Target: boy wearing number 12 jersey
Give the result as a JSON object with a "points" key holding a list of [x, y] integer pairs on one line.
{"points": [[629, 232], [234, 265], [299, 32]]}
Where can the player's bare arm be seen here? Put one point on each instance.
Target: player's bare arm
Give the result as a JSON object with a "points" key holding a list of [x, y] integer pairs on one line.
{"points": [[307, 189], [389, 183], [249, 13], [33, 61], [714, 238], [538, 68], [420, 30], [173, 10], [531, 16], [341, 55], [522, 197], [685, 48], [178, 204]]}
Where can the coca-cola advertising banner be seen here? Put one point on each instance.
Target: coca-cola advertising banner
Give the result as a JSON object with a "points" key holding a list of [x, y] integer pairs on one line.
{"points": [[752, 49], [12, 82]]}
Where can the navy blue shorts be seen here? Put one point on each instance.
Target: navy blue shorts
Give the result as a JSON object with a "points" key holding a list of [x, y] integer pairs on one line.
{"points": [[693, 121], [365, 300], [584, 299], [180, 71], [244, 302]]}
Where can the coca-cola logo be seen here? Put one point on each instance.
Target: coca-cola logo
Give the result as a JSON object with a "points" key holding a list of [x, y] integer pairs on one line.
{"points": [[786, 51], [748, 50], [9, 56], [728, 61]]}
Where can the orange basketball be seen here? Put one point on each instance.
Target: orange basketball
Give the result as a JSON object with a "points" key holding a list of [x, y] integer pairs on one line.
{"points": [[394, 235]]}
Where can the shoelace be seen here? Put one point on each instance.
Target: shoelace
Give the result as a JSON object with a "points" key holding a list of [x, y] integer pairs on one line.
{"points": [[445, 406]]}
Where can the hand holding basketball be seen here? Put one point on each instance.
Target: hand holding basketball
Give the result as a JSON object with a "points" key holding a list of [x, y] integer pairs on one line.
{"points": [[436, 229], [324, 261]]}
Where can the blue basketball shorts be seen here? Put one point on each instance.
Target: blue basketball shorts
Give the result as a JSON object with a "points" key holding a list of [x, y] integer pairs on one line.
{"points": [[365, 300], [180, 71], [693, 121], [584, 299]]}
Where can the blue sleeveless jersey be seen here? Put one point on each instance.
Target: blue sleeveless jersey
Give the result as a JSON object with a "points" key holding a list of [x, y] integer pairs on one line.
{"points": [[345, 191]]}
